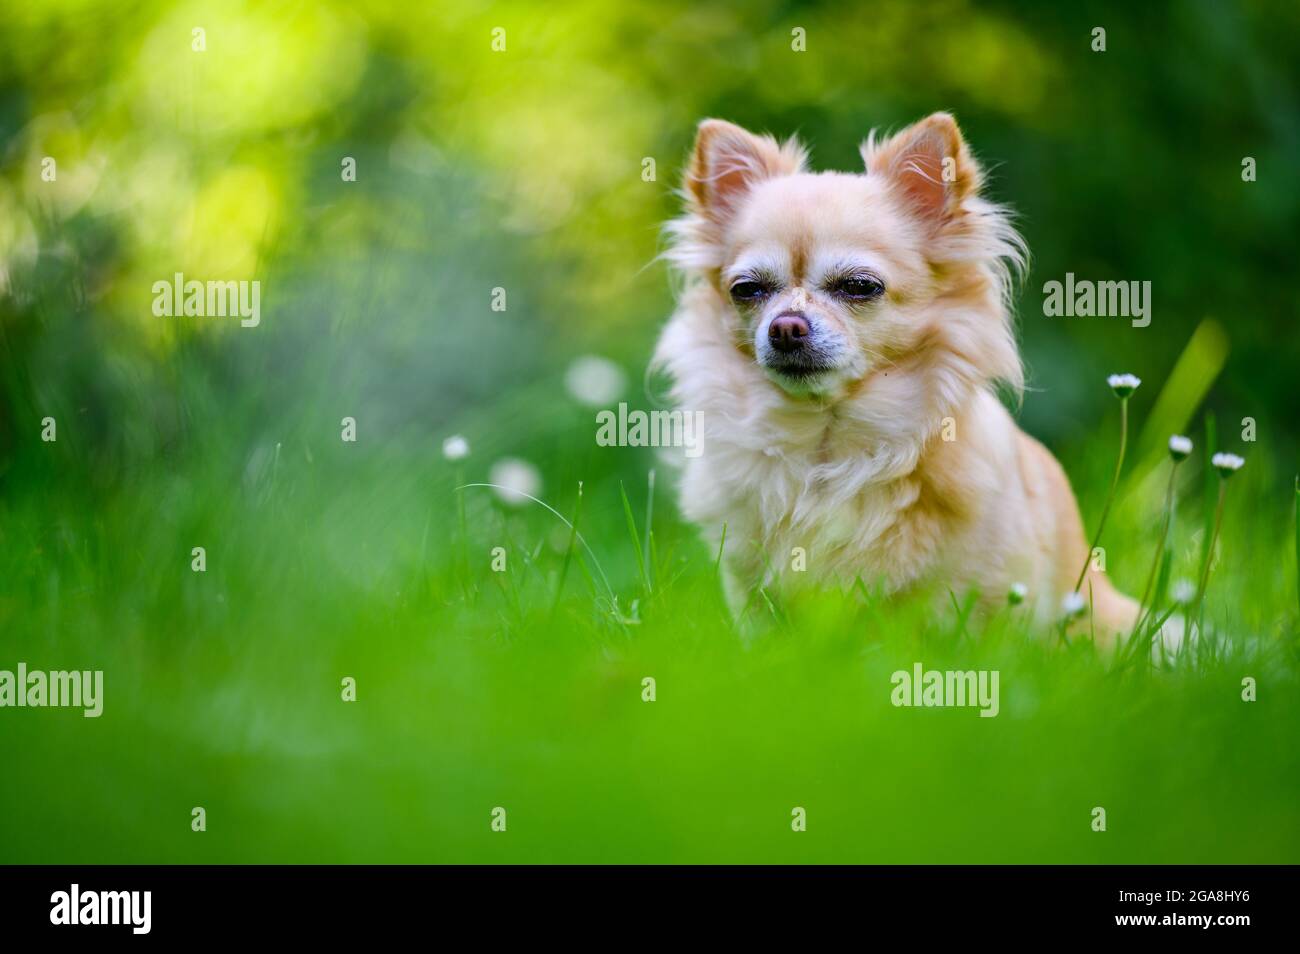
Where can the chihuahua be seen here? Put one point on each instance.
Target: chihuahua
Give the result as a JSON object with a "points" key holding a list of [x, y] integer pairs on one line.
{"points": [[844, 336]]}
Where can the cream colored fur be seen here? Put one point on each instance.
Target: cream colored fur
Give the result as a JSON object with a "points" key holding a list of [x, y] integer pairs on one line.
{"points": [[852, 465]]}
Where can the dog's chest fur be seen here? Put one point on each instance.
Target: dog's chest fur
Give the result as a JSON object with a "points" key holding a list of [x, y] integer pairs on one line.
{"points": [[819, 499], [865, 487]]}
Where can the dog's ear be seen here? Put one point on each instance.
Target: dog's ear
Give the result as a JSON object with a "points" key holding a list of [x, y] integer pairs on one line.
{"points": [[929, 166], [728, 161]]}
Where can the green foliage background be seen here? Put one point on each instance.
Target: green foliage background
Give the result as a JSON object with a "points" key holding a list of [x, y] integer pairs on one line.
{"points": [[522, 169]]}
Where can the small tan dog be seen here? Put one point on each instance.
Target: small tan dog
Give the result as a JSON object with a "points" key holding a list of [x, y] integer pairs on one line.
{"points": [[842, 335]]}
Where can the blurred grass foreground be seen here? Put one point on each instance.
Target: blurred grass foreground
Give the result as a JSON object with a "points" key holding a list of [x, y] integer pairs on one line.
{"points": [[454, 231]]}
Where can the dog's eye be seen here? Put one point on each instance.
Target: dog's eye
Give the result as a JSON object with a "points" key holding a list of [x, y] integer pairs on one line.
{"points": [[859, 287], [748, 291]]}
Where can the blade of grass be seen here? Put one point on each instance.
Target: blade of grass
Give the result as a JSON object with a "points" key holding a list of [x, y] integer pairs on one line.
{"points": [[1210, 505], [649, 528], [719, 586], [464, 534], [1110, 494], [586, 546], [568, 551], [963, 610], [636, 537]]}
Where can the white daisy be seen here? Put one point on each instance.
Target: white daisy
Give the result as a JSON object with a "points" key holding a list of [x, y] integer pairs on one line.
{"points": [[1123, 384], [515, 480], [1179, 447], [455, 448], [594, 381], [1226, 464]]}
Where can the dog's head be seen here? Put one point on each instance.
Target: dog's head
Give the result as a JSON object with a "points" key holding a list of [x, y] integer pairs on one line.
{"points": [[828, 277]]}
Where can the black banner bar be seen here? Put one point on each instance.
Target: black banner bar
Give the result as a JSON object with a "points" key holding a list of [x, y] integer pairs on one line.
{"points": [[332, 903]]}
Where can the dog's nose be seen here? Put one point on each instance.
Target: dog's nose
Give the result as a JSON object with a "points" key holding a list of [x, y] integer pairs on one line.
{"points": [[788, 331]]}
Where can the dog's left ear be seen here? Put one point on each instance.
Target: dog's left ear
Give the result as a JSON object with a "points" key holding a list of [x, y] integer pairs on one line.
{"points": [[929, 166]]}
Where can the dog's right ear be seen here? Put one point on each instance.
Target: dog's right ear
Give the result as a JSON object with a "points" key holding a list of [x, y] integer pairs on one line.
{"points": [[728, 161]]}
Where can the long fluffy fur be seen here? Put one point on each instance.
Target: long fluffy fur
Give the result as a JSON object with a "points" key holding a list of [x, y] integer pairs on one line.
{"points": [[864, 483]]}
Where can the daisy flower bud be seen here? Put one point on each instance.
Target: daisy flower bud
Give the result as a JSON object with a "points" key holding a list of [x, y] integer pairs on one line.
{"points": [[1179, 447], [1226, 464], [1016, 595], [455, 448], [1123, 384]]}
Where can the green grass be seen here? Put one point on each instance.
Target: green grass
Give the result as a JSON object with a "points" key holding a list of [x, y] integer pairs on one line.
{"points": [[483, 690]]}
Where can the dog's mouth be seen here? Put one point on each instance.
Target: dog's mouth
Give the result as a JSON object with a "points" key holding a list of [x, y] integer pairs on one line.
{"points": [[802, 377], [801, 372], [801, 368], [801, 360]]}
